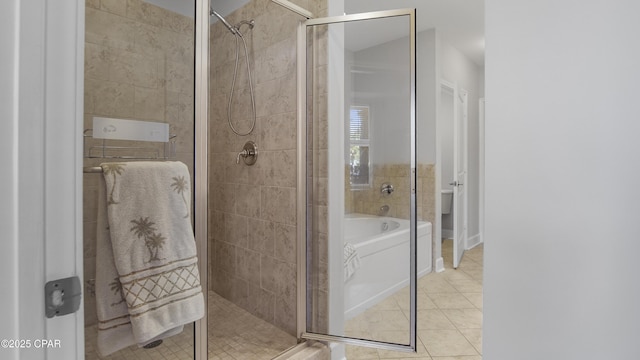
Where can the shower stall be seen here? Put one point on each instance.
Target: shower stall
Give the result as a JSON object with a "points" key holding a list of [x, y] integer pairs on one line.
{"points": [[295, 121], [251, 173]]}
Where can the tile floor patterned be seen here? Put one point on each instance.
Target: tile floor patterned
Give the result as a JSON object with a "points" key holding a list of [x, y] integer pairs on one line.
{"points": [[449, 315], [234, 334], [179, 347], [449, 324]]}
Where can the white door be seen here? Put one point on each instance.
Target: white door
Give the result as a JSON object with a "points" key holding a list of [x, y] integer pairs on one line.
{"points": [[460, 176]]}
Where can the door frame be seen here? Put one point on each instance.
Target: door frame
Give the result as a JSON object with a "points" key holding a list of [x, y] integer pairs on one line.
{"points": [[43, 163], [201, 162], [481, 160], [461, 97], [453, 87]]}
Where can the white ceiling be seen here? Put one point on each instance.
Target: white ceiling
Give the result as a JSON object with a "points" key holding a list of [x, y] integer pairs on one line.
{"points": [[459, 22], [226, 7], [186, 8]]}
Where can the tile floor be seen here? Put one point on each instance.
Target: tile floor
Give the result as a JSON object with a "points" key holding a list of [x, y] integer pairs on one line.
{"points": [[179, 347], [449, 324], [449, 315], [234, 334]]}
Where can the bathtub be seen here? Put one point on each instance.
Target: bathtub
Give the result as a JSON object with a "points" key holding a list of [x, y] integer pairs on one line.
{"points": [[383, 246]]}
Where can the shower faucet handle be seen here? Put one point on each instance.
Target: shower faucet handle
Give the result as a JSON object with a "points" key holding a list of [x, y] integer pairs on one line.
{"points": [[242, 153], [386, 189], [249, 153]]}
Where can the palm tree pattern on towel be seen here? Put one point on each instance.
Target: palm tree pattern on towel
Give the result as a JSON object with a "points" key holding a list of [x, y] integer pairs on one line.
{"points": [[116, 288], [113, 169], [144, 229], [180, 186]]}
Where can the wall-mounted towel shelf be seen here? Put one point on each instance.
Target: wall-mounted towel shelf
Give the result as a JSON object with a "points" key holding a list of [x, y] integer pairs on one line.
{"points": [[128, 140], [92, 169], [103, 150]]}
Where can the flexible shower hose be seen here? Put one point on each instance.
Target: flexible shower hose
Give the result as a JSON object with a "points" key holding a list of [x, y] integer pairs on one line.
{"points": [[237, 35]]}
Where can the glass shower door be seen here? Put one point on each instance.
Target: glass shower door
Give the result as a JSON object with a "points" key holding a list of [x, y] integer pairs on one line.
{"points": [[139, 65], [358, 178]]}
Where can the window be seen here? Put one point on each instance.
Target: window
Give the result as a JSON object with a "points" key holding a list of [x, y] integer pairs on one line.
{"points": [[360, 169]]}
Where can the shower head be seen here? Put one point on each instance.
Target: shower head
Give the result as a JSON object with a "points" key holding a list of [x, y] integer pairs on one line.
{"points": [[233, 30]]}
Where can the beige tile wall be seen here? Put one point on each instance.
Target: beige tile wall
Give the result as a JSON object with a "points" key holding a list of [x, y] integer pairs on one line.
{"points": [[369, 200], [252, 209], [138, 65]]}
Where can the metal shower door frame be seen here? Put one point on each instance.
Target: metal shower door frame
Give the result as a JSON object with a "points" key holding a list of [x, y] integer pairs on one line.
{"points": [[201, 165], [302, 225]]}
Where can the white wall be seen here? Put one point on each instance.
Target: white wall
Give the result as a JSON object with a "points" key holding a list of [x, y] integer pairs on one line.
{"points": [[387, 92], [562, 231], [481, 82], [388, 96], [8, 180], [381, 83]]}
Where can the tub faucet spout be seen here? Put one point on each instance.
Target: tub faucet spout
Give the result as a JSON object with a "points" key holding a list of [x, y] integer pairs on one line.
{"points": [[384, 210]]}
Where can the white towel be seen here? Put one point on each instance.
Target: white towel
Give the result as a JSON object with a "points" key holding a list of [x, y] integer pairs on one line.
{"points": [[351, 261], [147, 281]]}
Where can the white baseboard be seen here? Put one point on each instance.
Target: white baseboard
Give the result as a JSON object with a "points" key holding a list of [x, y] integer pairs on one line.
{"points": [[474, 241], [447, 233], [439, 265]]}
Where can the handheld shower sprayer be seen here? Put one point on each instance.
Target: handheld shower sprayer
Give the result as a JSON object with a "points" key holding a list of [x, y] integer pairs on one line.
{"points": [[233, 30]]}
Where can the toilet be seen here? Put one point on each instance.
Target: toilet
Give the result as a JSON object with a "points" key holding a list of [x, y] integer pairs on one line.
{"points": [[447, 201]]}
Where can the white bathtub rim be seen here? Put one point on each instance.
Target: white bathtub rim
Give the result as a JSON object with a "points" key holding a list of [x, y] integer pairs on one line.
{"points": [[422, 228]]}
